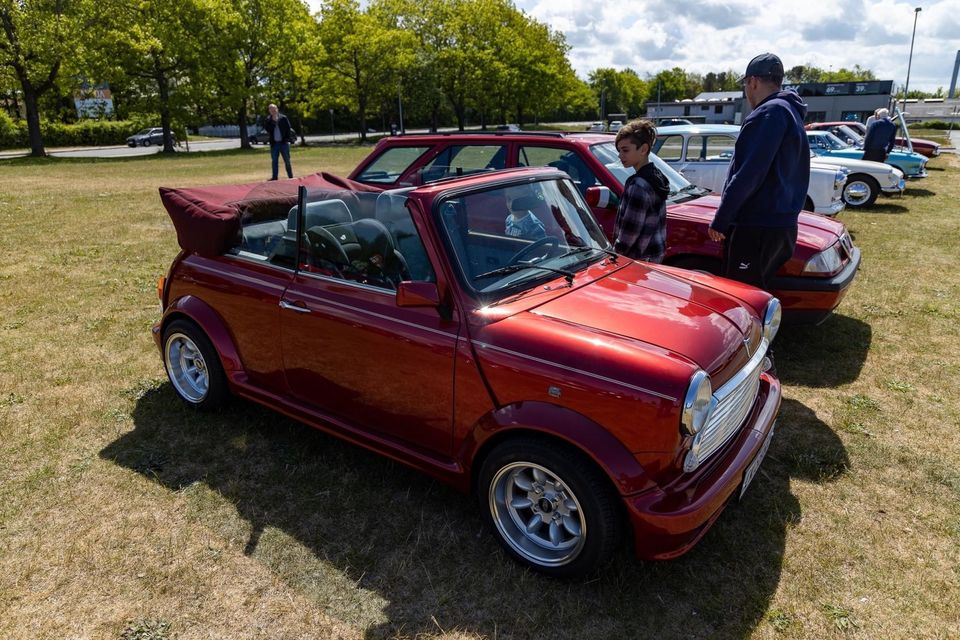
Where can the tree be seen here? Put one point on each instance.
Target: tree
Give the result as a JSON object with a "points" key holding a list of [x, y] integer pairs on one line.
{"points": [[359, 58], [157, 49], [38, 36]]}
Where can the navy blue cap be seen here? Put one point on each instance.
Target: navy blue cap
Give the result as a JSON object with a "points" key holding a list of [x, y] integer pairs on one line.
{"points": [[764, 65]]}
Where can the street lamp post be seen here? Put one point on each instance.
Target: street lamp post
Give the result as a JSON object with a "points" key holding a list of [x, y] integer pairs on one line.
{"points": [[906, 86]]}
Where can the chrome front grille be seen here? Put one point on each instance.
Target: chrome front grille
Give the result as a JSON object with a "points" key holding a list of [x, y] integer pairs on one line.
{"points": [[733, 402]]}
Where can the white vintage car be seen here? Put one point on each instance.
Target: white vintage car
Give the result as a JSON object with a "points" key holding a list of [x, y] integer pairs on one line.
{"points": [[866, 181], [702, 153]]}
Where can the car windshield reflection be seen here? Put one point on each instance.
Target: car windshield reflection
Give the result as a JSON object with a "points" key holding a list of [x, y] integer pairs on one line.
{"points": [[518, 235], [606, 152]]}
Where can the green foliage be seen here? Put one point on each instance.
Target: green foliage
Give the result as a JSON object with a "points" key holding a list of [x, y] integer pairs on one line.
{"points": [[810, 73], [622, 91], [13, 134]]}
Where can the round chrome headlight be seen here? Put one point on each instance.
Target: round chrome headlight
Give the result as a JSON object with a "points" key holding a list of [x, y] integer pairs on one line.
{"points": [[771, 320], [698, 403]]}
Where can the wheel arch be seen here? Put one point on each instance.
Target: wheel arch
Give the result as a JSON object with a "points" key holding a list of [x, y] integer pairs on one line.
{"points": [[209, 321], [561, 425]]}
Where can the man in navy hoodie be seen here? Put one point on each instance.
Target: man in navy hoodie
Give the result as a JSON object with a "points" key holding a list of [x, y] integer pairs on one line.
{"points": [[767, 183]]}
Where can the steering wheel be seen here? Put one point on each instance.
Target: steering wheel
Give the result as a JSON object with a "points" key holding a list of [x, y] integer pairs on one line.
{"points": [[528, 251]]}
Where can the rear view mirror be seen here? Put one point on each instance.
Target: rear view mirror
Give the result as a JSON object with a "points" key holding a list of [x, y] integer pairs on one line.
{"points": [[602, 198], [418, 294]]}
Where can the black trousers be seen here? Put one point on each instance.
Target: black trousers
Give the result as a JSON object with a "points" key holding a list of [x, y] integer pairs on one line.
{"points": [[753, 254], [876, 155]]}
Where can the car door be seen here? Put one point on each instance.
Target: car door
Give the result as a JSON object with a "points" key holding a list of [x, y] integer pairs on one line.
{"points": [[355, 356], [714, 154], [670, 149]]}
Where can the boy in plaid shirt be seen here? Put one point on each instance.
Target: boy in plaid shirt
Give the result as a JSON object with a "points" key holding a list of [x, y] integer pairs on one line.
{"points": [[640, 230]]}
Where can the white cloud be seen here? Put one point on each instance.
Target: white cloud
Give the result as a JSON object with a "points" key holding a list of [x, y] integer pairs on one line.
{"points": [[715, 35]]}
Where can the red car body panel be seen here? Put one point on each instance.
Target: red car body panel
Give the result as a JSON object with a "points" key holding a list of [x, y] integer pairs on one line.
{"points": [[805, 298], [929, 148], [601, 363]]}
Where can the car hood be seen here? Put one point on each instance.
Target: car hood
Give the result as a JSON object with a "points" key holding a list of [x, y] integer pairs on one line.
{"points": [[654, 311], [862, 166], [814, 232]]}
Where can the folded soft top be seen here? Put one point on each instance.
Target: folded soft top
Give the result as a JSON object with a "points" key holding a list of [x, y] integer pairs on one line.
{"points": [[208, 220]]}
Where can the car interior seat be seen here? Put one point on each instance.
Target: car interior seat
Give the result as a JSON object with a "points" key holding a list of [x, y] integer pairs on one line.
{"points": [[324, 252], [377, 257], [316, 214]]}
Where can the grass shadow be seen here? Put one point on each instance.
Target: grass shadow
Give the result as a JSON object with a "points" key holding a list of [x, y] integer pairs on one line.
{"points": [[887, 208], [419, 547], [918, 193], [823, 356]]}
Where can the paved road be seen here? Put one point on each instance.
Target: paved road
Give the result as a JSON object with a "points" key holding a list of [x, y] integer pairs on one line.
{"points": [[123, 151]]}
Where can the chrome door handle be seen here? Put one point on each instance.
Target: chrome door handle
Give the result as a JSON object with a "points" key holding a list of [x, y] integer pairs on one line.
{"points": [[293, 307]]}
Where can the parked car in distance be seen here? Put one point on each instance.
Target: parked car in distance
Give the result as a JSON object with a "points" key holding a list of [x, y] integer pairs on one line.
{"points": [[615, 125], [824, 143], [922, 146], [147, 137], [810, 285], [597, 127], [597, 398], [866, 179], [508, 127], [702, 154], [670, 122]]}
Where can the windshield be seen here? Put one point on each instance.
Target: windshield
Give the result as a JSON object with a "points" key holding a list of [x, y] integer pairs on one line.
{"points": [[143, 132], [606, 152], [833, 142], [851, 136], [516, 236]]}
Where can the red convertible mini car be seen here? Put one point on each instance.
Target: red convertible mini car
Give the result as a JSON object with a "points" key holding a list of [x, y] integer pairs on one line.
{"points": [[481, 330], [810, 285]]}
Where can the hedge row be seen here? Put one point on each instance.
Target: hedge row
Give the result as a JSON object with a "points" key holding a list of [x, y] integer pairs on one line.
{"points": [[13, 133]]}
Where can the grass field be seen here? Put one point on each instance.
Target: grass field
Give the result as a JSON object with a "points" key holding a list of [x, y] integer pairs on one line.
{"points": [[125, 515]]}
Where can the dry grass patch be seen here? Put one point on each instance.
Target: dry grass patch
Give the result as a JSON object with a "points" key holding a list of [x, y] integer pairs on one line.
{"points": [[123, 515]]}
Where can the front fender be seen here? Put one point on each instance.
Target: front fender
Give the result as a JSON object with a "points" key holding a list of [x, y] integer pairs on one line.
{"points": [[559, 423], [203, 315]]}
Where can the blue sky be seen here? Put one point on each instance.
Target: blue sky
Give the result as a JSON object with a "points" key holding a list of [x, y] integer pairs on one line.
{"points": [[706, 35]]}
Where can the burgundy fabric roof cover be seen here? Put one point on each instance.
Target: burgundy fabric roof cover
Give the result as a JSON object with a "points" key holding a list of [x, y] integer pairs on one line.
{"points": [[208, 219]]}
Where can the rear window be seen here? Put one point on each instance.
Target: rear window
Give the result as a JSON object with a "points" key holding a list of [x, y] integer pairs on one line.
{"points": [[391, 164]]}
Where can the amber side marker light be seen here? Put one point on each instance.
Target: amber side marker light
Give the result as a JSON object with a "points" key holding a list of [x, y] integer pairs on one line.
{"points": [[161, 282]]}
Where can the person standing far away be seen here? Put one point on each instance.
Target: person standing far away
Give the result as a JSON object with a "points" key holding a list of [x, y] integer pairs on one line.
{"points": [[640, 228], [872, 118], [280, 132], [881, 134], [768, 178]]}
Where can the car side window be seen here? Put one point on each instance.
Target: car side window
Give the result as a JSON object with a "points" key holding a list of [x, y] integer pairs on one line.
{"points": [[391, 164], [563, 159], [464, 159], [669, 148], [719, 148], [696, 149]]}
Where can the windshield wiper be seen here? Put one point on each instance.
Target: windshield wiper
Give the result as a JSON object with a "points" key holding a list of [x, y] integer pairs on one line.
{"points": [[520, 266], [613, 254]]}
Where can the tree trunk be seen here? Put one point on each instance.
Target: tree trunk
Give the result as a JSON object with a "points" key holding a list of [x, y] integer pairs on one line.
{"points": [[165, 120], [242, 124], [33, 119]]}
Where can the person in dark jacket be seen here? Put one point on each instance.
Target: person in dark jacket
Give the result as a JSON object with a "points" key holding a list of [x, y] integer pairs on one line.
{"points": [[280, 132], [640, 228], [768, 179], [881, 134]]}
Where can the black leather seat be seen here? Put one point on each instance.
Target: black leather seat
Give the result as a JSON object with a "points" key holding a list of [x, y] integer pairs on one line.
{"points": [[392, 212]]}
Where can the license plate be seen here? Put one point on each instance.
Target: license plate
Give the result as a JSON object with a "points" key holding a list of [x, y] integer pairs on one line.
{"points": [[755, 465]]}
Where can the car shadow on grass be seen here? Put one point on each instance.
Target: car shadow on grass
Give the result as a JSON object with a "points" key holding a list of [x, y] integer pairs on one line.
{"points": [[823, 356], [914, 192], [886, 207], [397, 554]]}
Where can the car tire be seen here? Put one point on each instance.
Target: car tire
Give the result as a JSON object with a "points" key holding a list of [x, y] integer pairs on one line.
{"points": [[860, 190], [145, 143], [551, 508], [193, 366]]}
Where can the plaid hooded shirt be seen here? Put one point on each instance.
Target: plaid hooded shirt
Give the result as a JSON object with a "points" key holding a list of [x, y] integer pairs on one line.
{"points": [[641, 223]]}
